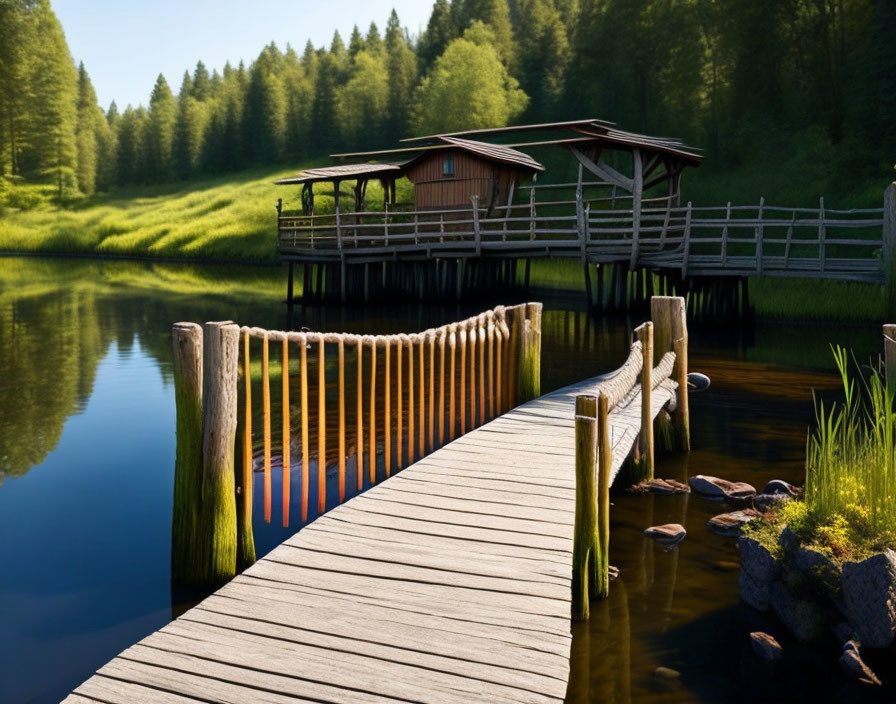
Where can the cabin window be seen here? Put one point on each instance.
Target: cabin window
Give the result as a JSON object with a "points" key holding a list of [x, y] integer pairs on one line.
{"points": [[448, 165]]}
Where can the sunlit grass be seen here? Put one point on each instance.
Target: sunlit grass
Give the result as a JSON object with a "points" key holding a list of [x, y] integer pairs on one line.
{"points": [[851, 457]]}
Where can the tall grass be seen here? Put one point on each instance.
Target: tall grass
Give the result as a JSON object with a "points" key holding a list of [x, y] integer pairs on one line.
{"points": [[851, 455]]}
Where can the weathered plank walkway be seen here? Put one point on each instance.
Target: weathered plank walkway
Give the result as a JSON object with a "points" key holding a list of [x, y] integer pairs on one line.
{"points": [[449, 582]]}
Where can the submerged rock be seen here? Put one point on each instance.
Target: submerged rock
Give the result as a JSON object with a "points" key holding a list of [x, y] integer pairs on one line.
{"points": [[778, 487], [661, 486], [767, 649], [666, 673], [800, 616], [729, 524], [713, 487], [869, 595], [669, 533], [852, 664]]}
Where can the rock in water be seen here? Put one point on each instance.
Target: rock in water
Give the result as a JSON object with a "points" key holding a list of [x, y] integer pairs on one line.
{"points": [[666, 673], [869, 593], [766, 501], [729, 524], [779, 487], [669, 533], [852, 664], [766, 647], [714, 487], [661, 486]]}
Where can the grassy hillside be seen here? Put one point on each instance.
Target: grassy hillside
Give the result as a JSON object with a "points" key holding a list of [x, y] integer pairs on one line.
{"points": [[231, 217]]}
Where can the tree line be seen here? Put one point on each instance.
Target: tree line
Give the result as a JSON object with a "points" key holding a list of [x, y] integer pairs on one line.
{"points": [[727, 75]]}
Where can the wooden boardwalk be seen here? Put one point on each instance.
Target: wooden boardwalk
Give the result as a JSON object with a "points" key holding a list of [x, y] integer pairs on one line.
{"points": [[448, 582]]}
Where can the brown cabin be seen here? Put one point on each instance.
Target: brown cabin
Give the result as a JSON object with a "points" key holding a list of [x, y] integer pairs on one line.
{"points": [[449, 175]]}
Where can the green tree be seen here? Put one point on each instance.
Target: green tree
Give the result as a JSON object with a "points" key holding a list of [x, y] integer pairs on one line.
{"points": [[323, 107], [201, 87], [91, 130], [130, 154], [544, 54], [264, 117], [355, 42], [440, 30], [189, 130], [401, 65], [159, 133], [361, 103], [468, 87], [494, 13]]}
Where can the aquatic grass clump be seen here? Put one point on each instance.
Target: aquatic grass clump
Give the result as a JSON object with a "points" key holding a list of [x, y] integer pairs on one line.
{"points": [[851, 461]]}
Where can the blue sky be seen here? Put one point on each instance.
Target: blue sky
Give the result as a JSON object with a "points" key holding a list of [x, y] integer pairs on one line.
{"points": [[125, 45]]}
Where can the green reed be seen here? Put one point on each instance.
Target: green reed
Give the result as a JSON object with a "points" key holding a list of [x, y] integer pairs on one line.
{"points": [[851, 455]]}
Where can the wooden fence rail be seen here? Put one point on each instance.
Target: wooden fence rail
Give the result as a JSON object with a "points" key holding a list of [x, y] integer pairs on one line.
{"points": [[666, 337], [365, 405]]}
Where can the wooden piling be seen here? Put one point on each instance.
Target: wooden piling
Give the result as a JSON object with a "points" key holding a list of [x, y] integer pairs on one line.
{"points": [[442, 337], [321, 428], [411, 457], [421, 398], [670, 331], [341, 419], [186, 538], [645, 438], [359, 415], [372, 425], [463, 377], [890, 354], [432, 388], [585, 535], [387, 412], [219, 383], [529, 380], [306, 459], [286, 432], [452, 419], [604, 469], [244, 534], [266, 421]]}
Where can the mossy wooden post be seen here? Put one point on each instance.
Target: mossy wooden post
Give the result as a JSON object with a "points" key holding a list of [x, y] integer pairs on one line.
{"points": [[585, 537], [528, 320], [889, 355], [186, 542], [645, 438], [219, 386], [670, 331], [604, 467], [888, 249]]}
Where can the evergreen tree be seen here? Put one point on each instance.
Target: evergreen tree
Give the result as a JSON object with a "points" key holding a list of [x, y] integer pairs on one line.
{"points": [[201, 88], [544, 54], [323, 108], [374, 42], [299, 94], [355, 42], [90, 120], [189, 129], [361, 103], [130, 154], [401, 64], [159, 132], [440, 30], [264, 117]]}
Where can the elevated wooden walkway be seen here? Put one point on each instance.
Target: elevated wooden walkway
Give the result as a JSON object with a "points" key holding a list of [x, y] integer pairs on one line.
{"points": [[448, 582]]}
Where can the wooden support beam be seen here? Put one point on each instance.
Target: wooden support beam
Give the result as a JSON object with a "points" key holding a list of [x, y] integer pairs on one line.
{"points": [[585, 535], [603, 170], [637, 195], [671, 332]]}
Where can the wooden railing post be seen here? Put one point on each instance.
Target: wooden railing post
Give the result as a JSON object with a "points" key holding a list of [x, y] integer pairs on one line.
{"points": [[604, 468], [645, 438], [219, 388], [671, 332], [527, 319], [186, 541], [585, 535], [889, 355], [888, 253]]}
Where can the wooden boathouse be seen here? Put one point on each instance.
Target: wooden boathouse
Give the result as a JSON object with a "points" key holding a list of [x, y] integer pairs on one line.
{"points": [[482, 204]]}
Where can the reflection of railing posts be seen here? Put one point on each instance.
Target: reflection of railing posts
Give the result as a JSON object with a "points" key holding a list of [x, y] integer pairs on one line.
{"points": [[205, 530]]}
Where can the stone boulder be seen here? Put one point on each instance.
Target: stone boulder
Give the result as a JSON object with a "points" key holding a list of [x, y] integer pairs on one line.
{"points": [[803, 618], [767, 649], [778, 487], [758, 570], [764, 502], [672, 533], [823, 572], [869, 596], [715, 488], [661, 486], [852, 664], [729, 524]]}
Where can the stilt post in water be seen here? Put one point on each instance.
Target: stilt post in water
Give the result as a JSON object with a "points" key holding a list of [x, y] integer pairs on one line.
{"points": [[645, 438], [245, 537], [585, 535], [671, 332], [186, 540], [219, 384]]}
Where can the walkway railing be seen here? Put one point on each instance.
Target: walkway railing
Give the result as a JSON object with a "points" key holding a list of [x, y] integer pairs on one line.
{"points": [[366, 404], [730, 240], [598, 445]]}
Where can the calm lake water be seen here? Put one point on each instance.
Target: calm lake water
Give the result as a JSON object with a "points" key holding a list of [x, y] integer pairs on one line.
{"points": [[86, 474]]}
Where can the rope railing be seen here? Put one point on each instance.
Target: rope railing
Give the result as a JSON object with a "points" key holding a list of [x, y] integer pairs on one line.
{"points": [[344, 411]]}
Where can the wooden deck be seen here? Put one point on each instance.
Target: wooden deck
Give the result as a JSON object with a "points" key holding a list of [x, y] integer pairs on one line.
{"points": [[448, 582]]}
